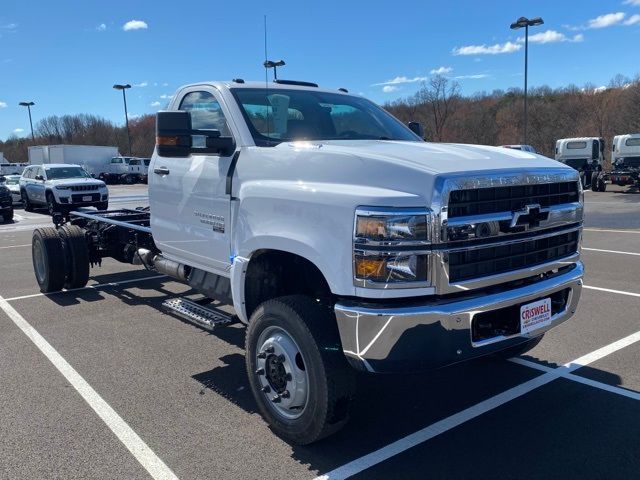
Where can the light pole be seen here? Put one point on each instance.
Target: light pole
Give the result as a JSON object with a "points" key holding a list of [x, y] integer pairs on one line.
{"points": [[525, 23], [29, 105], [126, 115]]}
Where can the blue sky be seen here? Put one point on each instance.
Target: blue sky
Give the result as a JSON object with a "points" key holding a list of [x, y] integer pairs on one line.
{"points": [[66, 55]]}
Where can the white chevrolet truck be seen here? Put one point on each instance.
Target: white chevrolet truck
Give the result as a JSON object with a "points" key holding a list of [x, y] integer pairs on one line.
{"points": [[341, 239]]}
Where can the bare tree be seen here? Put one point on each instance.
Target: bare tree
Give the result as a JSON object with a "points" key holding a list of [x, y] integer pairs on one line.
{"points": [[440, 95]]}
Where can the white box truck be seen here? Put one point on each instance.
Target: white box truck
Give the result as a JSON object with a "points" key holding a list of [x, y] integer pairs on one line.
{"points": [[100, 162]]}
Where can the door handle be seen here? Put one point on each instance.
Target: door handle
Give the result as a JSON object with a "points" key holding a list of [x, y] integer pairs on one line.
{"points": [[161, 171]]}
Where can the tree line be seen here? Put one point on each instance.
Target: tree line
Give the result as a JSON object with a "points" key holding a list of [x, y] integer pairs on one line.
{"points": [[85, 129], [494, 118]]}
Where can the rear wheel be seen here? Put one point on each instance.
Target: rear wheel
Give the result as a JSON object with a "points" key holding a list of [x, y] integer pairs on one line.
{"points": [[297, 372], [76, 254], [7, 216], [48, 259]]}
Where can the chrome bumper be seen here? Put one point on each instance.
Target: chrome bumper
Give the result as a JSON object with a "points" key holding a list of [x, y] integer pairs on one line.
{"points": [[434, 334]]}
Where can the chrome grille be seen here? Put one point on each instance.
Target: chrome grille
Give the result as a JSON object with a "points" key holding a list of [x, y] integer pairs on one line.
{"points": [[496, 259], [83, 188], [482, 201]]}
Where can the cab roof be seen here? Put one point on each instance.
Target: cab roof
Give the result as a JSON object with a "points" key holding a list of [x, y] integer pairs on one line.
{"points": [[228, 84]]}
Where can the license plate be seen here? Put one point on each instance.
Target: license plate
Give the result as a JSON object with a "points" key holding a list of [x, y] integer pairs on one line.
{"points": [[535, 315], [87, 198]]}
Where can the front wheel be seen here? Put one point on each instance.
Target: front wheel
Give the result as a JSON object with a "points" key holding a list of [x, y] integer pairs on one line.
{"points": [[102, 206], [7, 216], [297, 371], [25, 201], [52, 205]]}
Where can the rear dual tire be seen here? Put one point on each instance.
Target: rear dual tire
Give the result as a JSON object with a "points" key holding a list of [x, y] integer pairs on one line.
{"points": [[60, 258]]}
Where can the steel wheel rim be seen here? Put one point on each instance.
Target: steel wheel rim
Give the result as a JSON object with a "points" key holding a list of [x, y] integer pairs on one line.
{"points": [[38, 260], [282, 374]]}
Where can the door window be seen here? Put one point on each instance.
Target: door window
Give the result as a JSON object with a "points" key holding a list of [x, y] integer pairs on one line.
{"points": [[206, 113]]}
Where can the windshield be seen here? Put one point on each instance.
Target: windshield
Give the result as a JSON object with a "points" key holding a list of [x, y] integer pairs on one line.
{"points": [[281, 115], [633, 162], [58, 173]]}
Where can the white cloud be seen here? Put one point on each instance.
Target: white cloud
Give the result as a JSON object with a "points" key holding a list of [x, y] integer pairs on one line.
{"points": [[18, 130], [441, 71], [133, 116], [102, 27], [552, 36], [389, 88], [508, 47], [477, 76], [155, 104], [608, 20], [635, 3], [633, 19], [9, 26], [3, 105], [141, 84], [165, 84], [166, 96], [135, 25], [399, 80]]}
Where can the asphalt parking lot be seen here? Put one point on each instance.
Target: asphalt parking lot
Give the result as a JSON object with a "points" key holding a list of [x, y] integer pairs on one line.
{"points": [[101, 383]]}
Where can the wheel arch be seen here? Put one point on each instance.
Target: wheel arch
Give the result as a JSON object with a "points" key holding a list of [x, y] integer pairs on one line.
{"points": [[270, 273]]}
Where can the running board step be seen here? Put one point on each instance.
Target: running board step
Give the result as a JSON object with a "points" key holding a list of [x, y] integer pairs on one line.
{"points": [[204, 317]]}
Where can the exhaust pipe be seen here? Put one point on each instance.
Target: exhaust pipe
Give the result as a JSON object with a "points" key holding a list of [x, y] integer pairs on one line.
{"points": [[161, 264]]}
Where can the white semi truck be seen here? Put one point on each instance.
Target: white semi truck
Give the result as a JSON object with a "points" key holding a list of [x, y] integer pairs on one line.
{"points": [[625, 160], [341, 239]]}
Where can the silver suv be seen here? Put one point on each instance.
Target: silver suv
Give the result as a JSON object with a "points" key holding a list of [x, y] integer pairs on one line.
{"points": [[61, 188]]}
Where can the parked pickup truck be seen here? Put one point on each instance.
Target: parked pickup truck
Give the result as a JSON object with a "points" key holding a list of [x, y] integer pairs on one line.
{"points": [[342, 240]]}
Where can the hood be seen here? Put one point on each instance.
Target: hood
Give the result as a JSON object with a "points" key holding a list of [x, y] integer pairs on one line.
{"points": [[439, 158], [77, 181]]}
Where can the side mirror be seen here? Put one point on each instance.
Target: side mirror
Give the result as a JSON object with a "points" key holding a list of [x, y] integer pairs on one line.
{"points": [[175, 137], [417, 128]]}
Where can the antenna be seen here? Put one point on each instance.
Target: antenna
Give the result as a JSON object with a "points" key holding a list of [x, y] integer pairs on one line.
{"points": [[266, 77]]}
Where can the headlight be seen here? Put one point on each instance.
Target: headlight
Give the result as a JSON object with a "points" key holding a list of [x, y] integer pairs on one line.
{"points": [[391, 248]]}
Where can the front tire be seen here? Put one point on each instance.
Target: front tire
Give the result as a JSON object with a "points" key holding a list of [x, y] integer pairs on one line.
{"points": [[52, 205], [26, 204], [48, 259], [102, 206], [7, 216], [297, 371]]}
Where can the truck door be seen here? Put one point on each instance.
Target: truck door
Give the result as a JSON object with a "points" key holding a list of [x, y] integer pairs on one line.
{"points": [[189, 207]]}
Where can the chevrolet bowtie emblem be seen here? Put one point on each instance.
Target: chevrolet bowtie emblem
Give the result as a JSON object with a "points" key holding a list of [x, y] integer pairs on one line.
{"points": [[530, 216]]}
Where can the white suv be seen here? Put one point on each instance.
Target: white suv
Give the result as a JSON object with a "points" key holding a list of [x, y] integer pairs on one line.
{"points": [[62, 187]]}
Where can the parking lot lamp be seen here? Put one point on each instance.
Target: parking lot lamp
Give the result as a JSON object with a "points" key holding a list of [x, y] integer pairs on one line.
{"points": [[29, 105], [525, 23], [126, 115]]}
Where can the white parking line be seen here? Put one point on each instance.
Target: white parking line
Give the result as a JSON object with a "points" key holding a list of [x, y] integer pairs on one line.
{"points": [[610, 251], [577, 378], [138, 448], [610, 230], [15, 246], [446, 424], [619, 292], [99, 285]]}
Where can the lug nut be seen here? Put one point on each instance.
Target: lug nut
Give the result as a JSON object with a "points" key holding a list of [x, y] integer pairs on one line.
{"points": [[288, 377], [260, 371], [262, 355], [281, 358], [276, 399], [266, 389], [285, 394], [268, 350]]}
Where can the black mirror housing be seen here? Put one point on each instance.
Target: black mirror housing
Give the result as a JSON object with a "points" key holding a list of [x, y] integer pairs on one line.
{"points": [[417, 128], [175, 137]]}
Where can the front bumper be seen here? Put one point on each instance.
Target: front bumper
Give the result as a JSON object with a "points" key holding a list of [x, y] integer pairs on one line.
{"points": [[436, 333]]}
